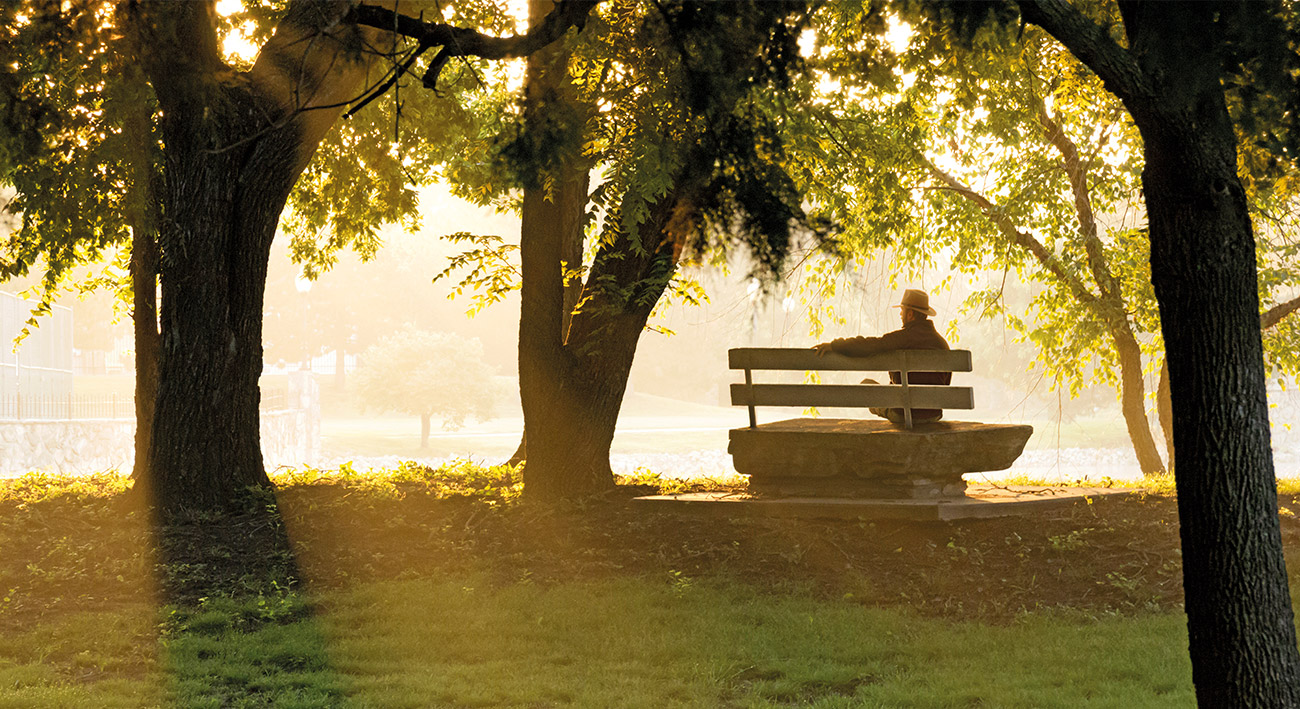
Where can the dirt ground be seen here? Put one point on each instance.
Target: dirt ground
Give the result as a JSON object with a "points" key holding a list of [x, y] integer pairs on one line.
{"points": [[1110, 555]]}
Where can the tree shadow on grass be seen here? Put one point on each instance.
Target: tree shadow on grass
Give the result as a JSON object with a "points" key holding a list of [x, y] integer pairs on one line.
{"points": [[239, 631]]}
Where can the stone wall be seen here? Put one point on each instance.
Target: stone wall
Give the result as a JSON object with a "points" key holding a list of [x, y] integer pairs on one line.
{"points": [[86, 446], [290, 437]]}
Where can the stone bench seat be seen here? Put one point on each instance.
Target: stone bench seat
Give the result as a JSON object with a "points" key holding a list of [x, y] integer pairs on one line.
{"points": [[839, 457]]}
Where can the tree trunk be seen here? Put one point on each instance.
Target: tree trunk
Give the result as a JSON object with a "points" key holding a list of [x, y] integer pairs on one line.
{"points": [[222, 214], [1240, 624], [1133, 402], [567, 456], [1241, 629], [144, 319], [424, 431], [547, 78], [574, 393], [572, 377], [233, 145], [142, 198]]}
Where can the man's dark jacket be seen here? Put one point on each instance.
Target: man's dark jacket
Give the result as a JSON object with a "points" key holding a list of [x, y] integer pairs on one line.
{"points": [[916, 335]]}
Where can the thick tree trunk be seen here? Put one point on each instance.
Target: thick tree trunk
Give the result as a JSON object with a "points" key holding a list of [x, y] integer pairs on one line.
{"points": [[222, 212], [572, 375], [566, 455], [1240, 624], [233, 146], [1133, 402], [547, 80], [572, 413]]}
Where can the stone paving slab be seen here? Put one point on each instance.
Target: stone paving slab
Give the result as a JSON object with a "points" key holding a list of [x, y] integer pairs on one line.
{"points": [[980, 501]]}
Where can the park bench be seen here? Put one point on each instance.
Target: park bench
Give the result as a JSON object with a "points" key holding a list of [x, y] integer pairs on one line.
{"points": [[838, 457]]}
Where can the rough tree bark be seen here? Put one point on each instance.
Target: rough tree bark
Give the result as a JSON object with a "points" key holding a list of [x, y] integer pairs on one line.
{"points": [[234, 146], [1164, 405], [1241, 630]]}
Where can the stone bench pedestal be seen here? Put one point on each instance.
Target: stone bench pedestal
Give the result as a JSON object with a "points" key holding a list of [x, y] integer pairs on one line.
{"points": [[871, 458]]}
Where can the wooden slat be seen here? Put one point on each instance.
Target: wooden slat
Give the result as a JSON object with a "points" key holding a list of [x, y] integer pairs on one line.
{"points": [[859, 395], [804, 360]]}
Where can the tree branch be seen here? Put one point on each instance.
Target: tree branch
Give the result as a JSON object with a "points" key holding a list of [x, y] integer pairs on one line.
{"points": [[1019, 238], [1091, 44], [465, 42], [1274, 315], [1077, 173]]}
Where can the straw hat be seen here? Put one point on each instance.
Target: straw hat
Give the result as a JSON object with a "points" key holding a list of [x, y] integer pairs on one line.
{"points": [[916, 300]]}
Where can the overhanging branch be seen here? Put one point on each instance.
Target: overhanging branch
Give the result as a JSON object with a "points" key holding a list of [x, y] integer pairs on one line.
{"points": [[466, 42], [1077, 173]]}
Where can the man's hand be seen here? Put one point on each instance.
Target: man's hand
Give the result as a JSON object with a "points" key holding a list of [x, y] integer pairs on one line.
{"points": [[823, 348]]}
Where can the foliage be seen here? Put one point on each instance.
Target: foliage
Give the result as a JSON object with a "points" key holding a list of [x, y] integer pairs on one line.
{"points": [[76, 127], [80, 119], [463, 478], [646, 83], [427, 374], [958, 152], [490, 272]]}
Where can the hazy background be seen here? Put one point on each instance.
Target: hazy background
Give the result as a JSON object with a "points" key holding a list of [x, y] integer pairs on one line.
{"points": [[675, 416]]}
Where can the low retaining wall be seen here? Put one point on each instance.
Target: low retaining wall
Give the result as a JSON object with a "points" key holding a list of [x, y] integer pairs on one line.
{"points": [[290, 437], [85, 446]]}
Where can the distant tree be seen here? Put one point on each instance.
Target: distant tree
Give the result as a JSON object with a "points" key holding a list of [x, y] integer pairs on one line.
{"points": [[427, 374]]}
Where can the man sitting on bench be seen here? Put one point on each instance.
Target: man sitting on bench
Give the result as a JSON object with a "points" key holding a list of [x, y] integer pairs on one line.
{"points": [[917, 333]]}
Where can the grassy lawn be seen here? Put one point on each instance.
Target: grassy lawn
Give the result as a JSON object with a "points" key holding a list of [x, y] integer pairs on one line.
{"points": [[468, 642], [440, 588]]}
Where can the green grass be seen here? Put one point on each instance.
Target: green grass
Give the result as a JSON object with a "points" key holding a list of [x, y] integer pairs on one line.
{"points": [[678, 643], [469, 637], [672, 642]]}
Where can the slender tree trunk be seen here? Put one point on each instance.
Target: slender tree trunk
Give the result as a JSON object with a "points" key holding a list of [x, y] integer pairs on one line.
{"points": [[148, 342], [1165, 411], [143, 198], [1133, 402], [1240, 624]]}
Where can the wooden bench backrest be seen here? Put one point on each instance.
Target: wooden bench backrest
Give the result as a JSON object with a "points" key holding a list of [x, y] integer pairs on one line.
{"points": [[903, 396]]}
